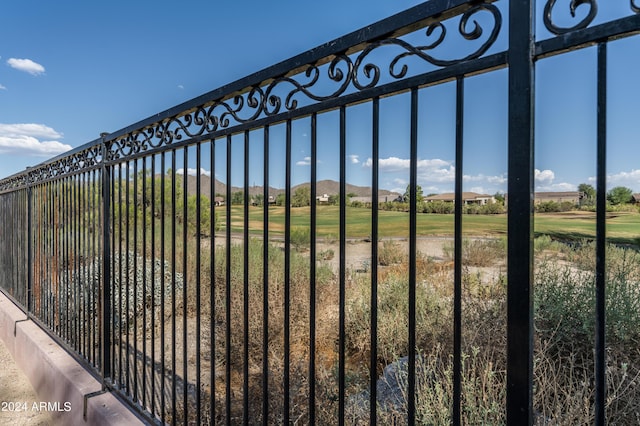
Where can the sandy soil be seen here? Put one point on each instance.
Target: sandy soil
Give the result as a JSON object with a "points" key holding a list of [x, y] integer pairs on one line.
{"points": [[17, 396]]}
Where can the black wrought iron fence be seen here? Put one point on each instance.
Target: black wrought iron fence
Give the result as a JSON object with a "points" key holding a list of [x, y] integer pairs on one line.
{"points": [[200, 301]]}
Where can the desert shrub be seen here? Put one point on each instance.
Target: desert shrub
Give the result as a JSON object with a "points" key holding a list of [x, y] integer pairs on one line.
{"points": [[492, 208], [300, 238], [440, 207], [433, 314], [555, 207], [544, 243], [565, 300], [483, 390], [477, 252], [390, 253], [326, 254]]}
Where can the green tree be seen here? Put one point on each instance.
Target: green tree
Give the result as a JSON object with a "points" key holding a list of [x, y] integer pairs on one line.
{"points": [[302, 197], [620, 195], [407, 194], [588, 190], [499, 196], [237, 197], [280, 199]]}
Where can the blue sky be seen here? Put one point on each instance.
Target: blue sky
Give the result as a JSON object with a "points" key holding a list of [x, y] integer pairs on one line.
{"points": [[70, 70]]}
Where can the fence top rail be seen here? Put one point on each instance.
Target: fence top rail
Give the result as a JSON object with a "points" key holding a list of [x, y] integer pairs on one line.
{"points": [[258, 93]]}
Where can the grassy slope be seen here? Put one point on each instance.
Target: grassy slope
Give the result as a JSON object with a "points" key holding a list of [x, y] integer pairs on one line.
{"points": [[621, 227]]}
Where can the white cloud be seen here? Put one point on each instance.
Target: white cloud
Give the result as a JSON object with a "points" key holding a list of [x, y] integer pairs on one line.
{"points": [[436, 175], [29, 129], [2, 87], [544, 176], [545, 182], [557, 187], [304, 162], [431, 170], [26, 139], [354, 159], [629, 179], [26, 65], [180, 86], [194, 172]]}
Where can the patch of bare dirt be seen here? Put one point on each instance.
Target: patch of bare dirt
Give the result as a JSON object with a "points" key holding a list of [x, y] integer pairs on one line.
{"points": [[17, 396]]}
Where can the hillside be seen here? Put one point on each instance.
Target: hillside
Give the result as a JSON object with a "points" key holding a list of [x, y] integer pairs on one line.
{"points": [[328, 187]]}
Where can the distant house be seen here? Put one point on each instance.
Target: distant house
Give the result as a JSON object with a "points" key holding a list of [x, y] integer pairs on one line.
{"points": [[218, 201], [382, 198], [574, 197], [636, 199], [272, 199], [322, 199], [467, 198]]}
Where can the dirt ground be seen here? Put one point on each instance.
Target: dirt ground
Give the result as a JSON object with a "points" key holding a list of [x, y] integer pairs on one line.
{"points": [[17, 396]]}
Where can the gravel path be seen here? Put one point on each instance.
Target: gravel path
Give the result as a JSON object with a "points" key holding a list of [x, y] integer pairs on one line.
{"points": [[17, 396]]}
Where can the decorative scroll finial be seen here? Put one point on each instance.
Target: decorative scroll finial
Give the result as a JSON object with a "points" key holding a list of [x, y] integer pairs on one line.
{"points": [[634, 6], [593, 11], [358, 71]]}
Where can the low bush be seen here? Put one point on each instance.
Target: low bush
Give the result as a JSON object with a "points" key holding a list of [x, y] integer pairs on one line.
{"points": [[478, 252]]}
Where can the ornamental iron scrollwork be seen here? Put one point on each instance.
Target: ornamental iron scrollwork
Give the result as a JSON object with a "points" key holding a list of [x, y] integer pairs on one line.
{"points": [[573, 6], [284, 93], [372, 71], [634, 6]]}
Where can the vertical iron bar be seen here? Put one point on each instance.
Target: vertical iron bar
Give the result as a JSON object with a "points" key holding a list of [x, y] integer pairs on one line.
{"points": [[110, 170], [245, 290], [89, 288], [457, 273], [212, 282], [29, 247], [134, 301], [174, 212], [185, 247], [143, 201], [265, 282], [105, 295], [76, 261], [198, 308], [413, 179], [342, 267], [152, 398], [83, 257], [68, 234], [312, 272], [163, 212], [127, 275], [95, 255], [143, 208], [121, 275], [520, 215], [375, 183], [287, 271], [227, 294], [601, 240]]}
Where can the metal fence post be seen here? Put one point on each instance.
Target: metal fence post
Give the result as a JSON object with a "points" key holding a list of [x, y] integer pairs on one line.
{"points": [[29, 266], [520, 214], [105, 294]]}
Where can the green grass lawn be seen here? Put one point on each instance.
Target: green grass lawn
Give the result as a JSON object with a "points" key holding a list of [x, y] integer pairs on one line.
{"points": [[621, 227]]}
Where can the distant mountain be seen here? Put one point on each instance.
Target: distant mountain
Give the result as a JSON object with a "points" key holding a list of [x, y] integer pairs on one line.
{"points": [[328, 187], [221, 188]]}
